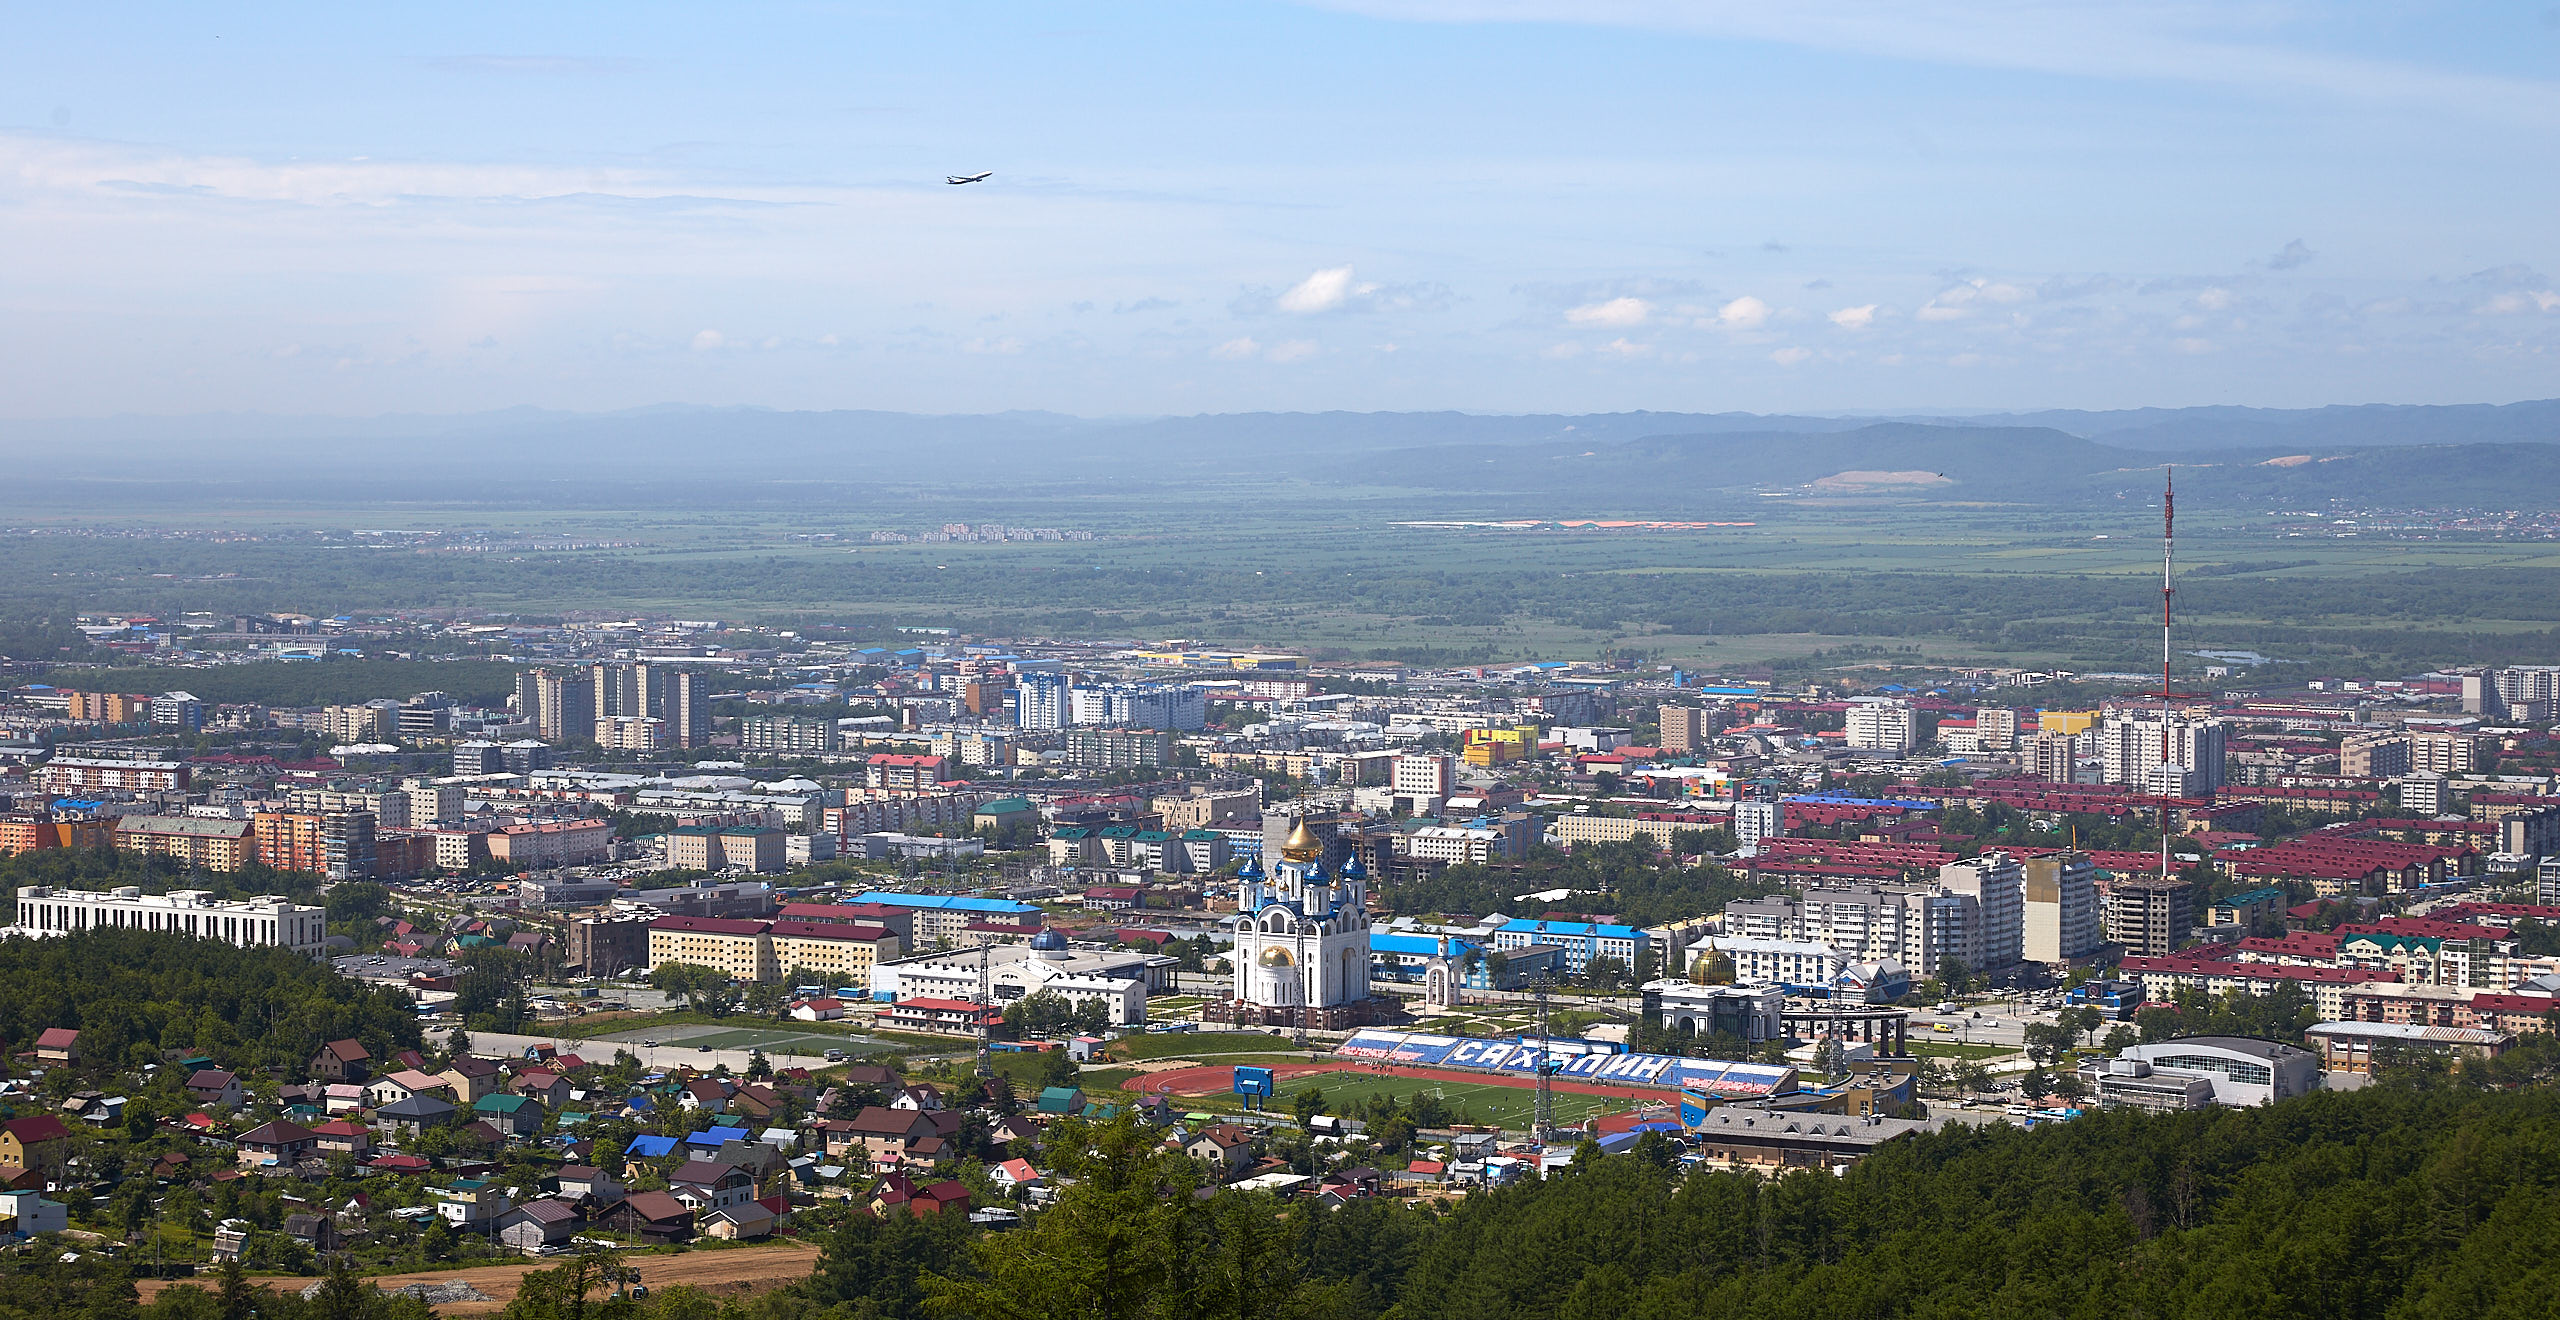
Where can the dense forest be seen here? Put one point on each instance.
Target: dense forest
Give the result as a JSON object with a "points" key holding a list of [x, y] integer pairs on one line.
{"points": [[133, 994], [337, 681]]}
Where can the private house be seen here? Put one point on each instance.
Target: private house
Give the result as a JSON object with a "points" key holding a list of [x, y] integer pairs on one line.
{"points": [[413, 1114], [707, 1185], [469, 1203], [655, 1218], [888, 1135], [550, 1088], [344, 1138], [538, 1224], [37, 1143], [58, 1045], [405, 1083], [1014, 1177], [513, 1116], [584, 1182], [214, 1086], [1224, 1147], [471, 1079], [341, 1061]]}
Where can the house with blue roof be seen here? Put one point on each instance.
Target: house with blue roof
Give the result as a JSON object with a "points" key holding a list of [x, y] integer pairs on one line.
{"points": [[647, 1147], [715, 1138]]}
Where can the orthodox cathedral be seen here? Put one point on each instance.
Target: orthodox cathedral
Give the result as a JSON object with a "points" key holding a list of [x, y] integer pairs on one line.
{"points": [[1301, 955]]}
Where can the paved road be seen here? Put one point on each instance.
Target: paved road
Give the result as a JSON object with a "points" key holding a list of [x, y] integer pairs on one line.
{"points": [[668, 1052]]}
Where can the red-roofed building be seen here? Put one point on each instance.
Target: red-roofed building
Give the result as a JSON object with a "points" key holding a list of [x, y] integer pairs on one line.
{"points": [[942, 1015], [58, 1045], [2327, 987]]}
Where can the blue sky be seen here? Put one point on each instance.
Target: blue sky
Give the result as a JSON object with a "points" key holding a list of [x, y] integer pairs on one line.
{"points": [[1489, 205]]}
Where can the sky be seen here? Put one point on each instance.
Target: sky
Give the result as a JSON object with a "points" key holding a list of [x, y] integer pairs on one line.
{"points": [[1484, 205]]}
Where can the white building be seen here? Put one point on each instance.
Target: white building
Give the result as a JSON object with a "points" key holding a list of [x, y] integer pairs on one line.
{"points": [[1302, 937], [1783, 962], [1045, 965], [1422, 774], [2130, 748], [1883, 726], [1755, 821], [1455, 843], [44, 910], [1989, 932]]}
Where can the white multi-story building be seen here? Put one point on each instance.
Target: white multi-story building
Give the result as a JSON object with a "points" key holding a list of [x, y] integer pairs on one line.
{"points": [[1883, 726], [1989, 932], [1455, 843], [44, 910], [1755, 821], [1042, 701], [1785, 962], [1426, 774], [2130, 748]]}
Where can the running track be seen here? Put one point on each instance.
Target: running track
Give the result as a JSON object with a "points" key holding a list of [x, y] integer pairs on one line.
{"points": [[1219, 1079]]}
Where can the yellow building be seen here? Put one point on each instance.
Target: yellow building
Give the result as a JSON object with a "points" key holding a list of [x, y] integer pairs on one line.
{"points": [[214, 845], [841, 952], [739, 950], [2073, 722], [1486, 748]]}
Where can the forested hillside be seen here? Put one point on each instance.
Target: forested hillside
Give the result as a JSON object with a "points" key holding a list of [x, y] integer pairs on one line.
{"points": [[133, 994]]}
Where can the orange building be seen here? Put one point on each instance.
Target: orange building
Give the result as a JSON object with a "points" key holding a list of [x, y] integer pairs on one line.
{"points": [[291, 841], [109, 707], [28, 831]]}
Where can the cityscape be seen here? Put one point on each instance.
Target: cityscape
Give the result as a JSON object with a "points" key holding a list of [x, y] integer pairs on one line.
{"points": [[1280, 661]]}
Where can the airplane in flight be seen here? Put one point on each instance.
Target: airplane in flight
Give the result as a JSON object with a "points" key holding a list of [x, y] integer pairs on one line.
{"points": [[970, 178]]}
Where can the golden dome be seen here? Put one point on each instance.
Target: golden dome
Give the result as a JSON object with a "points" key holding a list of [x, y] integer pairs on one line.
{"points": [[1302, 844], [1275, 956]]}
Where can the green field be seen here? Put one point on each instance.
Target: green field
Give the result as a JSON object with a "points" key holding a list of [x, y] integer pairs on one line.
{"points": [[770, 1040], [1197, 1045], [1511, 1107]]}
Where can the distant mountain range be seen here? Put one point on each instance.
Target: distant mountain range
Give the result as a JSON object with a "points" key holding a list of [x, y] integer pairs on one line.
{"points": [[2493, 455]]}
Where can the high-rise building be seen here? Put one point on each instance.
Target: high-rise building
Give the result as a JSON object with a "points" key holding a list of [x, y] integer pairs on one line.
{"points": [[1042, 701], [2148, 915], [2130, 748], [2528, 693], [177, 710], [1426, 774], [2061, 909], [1684, 729], [1754, 821], [2049, 756], [559, 702], [2446, 753], [1988, 933], [1995, 728], [787, 735], [2374, 756], [1883, 726]]}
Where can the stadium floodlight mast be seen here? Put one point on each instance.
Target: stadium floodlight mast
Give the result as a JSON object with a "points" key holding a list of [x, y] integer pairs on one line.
{"points": [[1543, 1120]]}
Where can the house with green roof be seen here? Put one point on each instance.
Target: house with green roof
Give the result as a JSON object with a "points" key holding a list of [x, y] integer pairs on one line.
{"points": [[1061, 1100], [514, 1115], [1004, 813]]}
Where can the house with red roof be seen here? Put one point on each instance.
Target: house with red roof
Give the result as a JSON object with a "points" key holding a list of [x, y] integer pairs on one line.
{"points": [[58, 1045]]}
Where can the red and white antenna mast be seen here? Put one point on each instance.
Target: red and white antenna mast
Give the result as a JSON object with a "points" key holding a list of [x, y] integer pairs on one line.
{"points": [[2168, 593]]}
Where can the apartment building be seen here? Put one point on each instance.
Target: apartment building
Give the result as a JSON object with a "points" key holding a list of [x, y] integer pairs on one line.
{"points": [[1883, 726], [1684, 730], [1426, 775], [2147, 915], [1203, 807], [893, 772], [2060, 910], [2374, 756], [1118, 749], [2130, 747], [946, 918], [211, 845], [107, 707], [1975, 911], [2447, 753], [1989, 932], [81, 776], [1995, 728], [560, 703], [633, 733], [338, 844], [740, 950], [787, 735], [552, 843], [840, 953], [46, 910], [756, 848], [2049, 756]]}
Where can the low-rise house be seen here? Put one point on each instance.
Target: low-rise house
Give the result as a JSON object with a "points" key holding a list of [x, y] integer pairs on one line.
{"points": [[926, 1199], [214, 1086], [1224, 1147], [706, 1185], [341, 1061], [344, 1138], [818, 1010], [405, 1083], [550, 1088], [743, 1222], [888, 1135], [469, 1203], [511, 1115], [1060, 1100], [30, 1214], [655, 1218], [411, 1115], [585, 1182], [471, 1078], [922, 1096], [1014, 1176], [58, 1045], [531, 1227]]}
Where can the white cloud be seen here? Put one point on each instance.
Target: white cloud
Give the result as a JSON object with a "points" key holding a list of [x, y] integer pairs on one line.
{"points": [[1625, 347], [2214, 300], [1788, 357], [1322, 292], [707, 340], [1743, 313], [1855, 318], [2508, 304], [1614, 312], [1236, 349], [1292, 350]]}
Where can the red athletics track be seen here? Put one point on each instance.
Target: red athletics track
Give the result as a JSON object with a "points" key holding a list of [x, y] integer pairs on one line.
{"points": [[1220, 1079]]}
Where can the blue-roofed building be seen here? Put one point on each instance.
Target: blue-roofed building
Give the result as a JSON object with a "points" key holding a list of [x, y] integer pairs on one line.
{"points": [[647, 1147], [949, 916], [1577, 942], [715, 1138]]}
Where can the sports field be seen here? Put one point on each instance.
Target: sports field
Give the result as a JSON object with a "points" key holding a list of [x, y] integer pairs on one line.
{"points": [[1512, 1106]]}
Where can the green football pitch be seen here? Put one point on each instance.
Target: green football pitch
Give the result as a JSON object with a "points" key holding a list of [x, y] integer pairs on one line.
{"points": [[1511, 1107]]}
